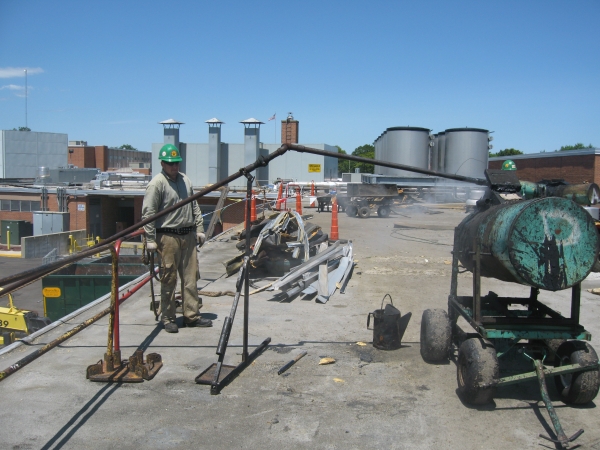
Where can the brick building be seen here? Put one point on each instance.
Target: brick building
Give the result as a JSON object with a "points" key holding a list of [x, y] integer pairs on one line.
{"points": [[573, 166], [106, 158]]}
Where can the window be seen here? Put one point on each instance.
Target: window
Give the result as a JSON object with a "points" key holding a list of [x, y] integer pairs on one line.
{"points": [[15, 205], [36, 206], [25, 205], [5, 205]]}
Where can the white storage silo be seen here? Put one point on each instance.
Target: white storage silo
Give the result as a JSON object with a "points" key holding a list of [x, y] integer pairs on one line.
{"points": [[466, 151], [408, 146]]}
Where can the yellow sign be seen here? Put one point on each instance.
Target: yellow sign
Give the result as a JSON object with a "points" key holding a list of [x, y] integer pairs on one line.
{"points": [[314, 168], [51, 292]]}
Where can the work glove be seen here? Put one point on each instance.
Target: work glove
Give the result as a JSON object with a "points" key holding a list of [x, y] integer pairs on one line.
{"points": [[151, 246], [201, 238]]}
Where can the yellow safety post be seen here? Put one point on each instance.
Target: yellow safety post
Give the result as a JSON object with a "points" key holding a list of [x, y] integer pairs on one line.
{"points": [[70, 244], [8, 239]]}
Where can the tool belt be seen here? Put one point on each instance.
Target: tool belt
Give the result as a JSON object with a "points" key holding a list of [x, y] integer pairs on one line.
{"points": [[179, 231]]}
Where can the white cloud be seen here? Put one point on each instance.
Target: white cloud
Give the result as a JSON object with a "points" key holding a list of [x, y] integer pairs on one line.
{"points": [[13, 87], [16, 72]]}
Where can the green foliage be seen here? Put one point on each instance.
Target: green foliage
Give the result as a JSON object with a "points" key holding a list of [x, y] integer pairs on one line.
{"points": [[578, 146], [22, 129], [506, 152], [364, 151], [344, 166], [127, 147]]}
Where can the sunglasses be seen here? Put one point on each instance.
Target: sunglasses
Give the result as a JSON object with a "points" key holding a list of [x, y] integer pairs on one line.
{"points": [[171, 163]]}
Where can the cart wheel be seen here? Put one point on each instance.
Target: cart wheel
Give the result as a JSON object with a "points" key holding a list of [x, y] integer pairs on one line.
{"points": [[436, 335], [383, 211], [477, 370], [579, 387], [364, 212], [351, 210]]}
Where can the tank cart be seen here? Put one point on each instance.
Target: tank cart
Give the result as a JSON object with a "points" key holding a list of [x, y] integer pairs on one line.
{"points": [[546, 243]]}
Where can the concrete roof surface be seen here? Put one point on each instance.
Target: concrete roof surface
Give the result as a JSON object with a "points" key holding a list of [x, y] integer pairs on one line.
{"points": [[368, 398]]}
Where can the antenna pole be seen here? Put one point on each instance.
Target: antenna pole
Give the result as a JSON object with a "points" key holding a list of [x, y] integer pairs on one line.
{"points": [[25, 98]]}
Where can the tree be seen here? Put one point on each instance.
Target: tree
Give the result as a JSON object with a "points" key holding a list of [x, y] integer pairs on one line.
{"points": [[365, 151], [127, 147], [344, 166], [506, 152], [22, 129], [577, 146]]}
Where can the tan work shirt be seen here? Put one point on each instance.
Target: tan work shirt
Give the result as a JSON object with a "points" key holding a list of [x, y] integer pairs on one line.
{"points": [[161, 193]]}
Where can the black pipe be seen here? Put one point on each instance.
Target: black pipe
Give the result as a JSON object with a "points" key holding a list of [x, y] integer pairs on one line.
{"points": [[303, 149]]}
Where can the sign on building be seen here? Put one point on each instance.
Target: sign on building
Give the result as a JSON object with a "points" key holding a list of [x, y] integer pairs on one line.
{"points": [[314, 168]]}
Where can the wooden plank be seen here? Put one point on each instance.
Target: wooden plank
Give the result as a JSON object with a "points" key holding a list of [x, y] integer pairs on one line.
{"points": [[217, 213]]}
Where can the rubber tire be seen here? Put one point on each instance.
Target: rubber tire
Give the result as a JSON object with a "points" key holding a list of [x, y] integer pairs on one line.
{"points": [[351, 210], [383, 211], [477, 365], [580, 387], [364, 212], [436, 336]]}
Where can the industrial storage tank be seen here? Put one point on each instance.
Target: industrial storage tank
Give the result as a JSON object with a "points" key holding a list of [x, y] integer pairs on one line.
{"points": [[433, 155], [408, 146], [441, 151], [381, 152], [466, 152], [378, 151]]}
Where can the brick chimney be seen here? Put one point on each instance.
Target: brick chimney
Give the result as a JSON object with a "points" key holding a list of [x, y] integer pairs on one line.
{"points": [[289, 130]]}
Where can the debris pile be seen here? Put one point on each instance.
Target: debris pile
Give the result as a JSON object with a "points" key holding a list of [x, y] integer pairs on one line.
{"points": [[298, 252]]}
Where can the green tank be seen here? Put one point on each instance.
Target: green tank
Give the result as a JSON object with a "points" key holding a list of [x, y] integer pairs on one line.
{"points": [[546, 243]]}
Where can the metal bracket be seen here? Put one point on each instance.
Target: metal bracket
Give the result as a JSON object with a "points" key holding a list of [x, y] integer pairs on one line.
{"points": [[247, 174], [136, 370]]}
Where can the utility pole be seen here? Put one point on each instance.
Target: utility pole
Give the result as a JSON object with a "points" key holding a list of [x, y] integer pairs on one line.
{"points": [[25, 98]]}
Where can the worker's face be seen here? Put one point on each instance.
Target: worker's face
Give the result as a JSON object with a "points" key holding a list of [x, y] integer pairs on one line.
{"points": [[170, 168]]}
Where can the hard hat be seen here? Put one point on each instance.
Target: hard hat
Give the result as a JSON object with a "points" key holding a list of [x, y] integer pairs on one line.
{"points": [[509, 164], [169, 153]]}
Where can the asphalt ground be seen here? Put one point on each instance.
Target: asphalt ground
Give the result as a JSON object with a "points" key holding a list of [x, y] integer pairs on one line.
{"points": [[368, 398]]}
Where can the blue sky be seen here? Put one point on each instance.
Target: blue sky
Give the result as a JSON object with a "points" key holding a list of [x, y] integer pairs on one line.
{"points": [[108, 72]]}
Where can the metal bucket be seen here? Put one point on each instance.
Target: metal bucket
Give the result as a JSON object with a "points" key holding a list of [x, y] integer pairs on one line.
{"points": [[388, 326]]}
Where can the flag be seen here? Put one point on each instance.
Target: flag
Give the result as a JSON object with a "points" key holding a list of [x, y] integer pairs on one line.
{"points": [[272, 118]]}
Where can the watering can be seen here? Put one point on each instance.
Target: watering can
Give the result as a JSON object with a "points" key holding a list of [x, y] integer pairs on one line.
{"points": [[388, 326]]}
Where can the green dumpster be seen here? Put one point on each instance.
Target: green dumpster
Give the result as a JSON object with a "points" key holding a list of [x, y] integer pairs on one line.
{"points": [[75, 286]]}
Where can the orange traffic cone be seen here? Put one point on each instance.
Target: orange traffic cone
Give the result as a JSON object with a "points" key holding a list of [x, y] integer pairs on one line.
{"points": [[312, 189], [279, 197], [298, 202], [334, 235], [253, 208]]}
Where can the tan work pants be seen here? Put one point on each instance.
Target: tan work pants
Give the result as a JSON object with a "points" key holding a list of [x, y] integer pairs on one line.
{"points": [[178, 256]]}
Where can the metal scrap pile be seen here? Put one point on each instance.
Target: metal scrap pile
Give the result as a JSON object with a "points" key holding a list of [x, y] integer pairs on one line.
{"points": [[300, 253]]}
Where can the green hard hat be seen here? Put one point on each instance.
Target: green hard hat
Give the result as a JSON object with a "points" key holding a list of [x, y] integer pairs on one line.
{"points": [[169, 153], [509, 164]]}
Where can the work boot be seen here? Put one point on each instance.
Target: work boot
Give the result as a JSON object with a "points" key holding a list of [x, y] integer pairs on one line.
{"points": [[205, 323], [171, 327]]}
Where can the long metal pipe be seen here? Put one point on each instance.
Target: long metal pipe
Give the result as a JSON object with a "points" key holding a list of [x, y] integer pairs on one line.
{"points": [[14, 282], [73, 331], [315, 151]]}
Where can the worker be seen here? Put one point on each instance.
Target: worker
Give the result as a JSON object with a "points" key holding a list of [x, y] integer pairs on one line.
{"points": [[175, 236]]}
